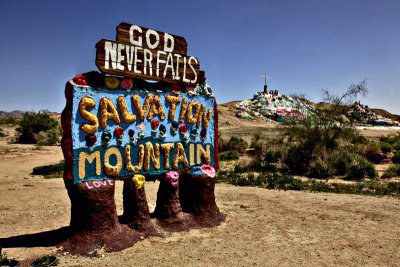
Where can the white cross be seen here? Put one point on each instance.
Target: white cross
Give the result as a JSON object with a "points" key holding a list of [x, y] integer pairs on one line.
{"points": [[265, 76]]}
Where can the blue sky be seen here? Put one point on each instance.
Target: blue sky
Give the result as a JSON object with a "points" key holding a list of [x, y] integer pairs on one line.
{"points": [[305, 46]]}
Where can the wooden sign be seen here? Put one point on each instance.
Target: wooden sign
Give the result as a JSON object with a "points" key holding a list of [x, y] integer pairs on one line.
{"points": [[147, 54]]}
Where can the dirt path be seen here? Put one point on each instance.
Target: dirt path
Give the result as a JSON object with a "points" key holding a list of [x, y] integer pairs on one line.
{"points": [[264, 227]]}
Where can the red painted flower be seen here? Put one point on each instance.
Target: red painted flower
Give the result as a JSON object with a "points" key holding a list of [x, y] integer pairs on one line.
{"points": [[154, 124], [176, 88], [118, 131], [203, 133], [80, 80], [183, 128], [131, 132], [90, 139]]}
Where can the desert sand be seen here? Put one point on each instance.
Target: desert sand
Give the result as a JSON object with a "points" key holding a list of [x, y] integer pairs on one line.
{"points": [[263, 227]]}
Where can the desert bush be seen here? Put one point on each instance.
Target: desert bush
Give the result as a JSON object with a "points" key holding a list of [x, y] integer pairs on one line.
{"points": [[272, 155], [257, 164], [392, 171], [386, 147], [359, 139], [285, 182], [320, 169], [234, 143], [9, 121], [228, 155], [396, 146], [2, 134], [256, 138], [360, 169], [342, 162], [396, 157], [371, 152], [240, 169], [39, 128]]}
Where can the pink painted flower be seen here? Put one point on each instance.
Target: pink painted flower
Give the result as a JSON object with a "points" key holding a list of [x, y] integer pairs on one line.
{"points": [[172, 177], [141, 127], [176, 88], [80, 80], [209, 170], [118, 131], [127, 83], [183, 128], [154, 124], [191, 90]]}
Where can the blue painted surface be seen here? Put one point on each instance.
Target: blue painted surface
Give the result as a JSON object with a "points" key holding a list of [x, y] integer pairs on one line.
{"points": [[78, 137]]}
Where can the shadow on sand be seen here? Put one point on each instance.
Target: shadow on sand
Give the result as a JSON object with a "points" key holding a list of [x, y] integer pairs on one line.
{"points": [[43, 239]]}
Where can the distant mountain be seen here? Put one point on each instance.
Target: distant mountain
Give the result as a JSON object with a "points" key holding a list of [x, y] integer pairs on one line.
{"points": [[13, 114], [19, 114]]}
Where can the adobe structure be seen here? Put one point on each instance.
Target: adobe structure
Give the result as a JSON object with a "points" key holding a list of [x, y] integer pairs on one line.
{"points": [[120, 126]]}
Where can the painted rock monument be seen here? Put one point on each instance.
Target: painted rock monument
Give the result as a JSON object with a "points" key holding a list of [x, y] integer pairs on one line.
{"points": [[124, 127]]}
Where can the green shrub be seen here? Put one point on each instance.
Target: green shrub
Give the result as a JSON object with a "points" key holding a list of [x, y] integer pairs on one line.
{"points": [[228, 155], [234, 143], [285, 182], [360, 169], [2, 134], [11, 121], [392, 171], [256, 164], [343, 163], [359, 139], [272, 155], [396, 157], [239, 169], [39, 128], [372, 152], [386, 147], [396, 146], [320, 169]]}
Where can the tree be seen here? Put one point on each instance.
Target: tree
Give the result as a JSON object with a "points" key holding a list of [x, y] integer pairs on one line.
{"points": [[316, 137]]}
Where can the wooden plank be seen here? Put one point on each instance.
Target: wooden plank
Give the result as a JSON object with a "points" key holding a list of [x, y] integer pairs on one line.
{"points": [[148, 69], [123, 36]]}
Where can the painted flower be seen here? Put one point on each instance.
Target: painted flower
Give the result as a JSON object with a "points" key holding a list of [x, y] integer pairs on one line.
{"points": [[172, 177], [80, 80], [209, 170], [183, 128], [203, 133], [176, 88], [163, 128], [106, 137], [91, 139], [127, 83], [141, 127], [191, 90], [118, 131], [111, 82], [174, 125], [131, 133], [139, 180], [154, 123]]}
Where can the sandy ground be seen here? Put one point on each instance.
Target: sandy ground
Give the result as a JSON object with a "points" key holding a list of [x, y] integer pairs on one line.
{"points": [[263, 227]]}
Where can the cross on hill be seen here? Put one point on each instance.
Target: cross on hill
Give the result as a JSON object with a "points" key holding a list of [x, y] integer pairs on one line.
{"points": [[266, 86]]}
